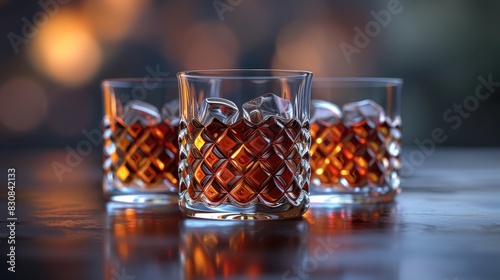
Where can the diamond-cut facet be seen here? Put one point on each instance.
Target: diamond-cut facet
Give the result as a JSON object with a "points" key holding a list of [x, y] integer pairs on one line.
{"points": [[242, 193], [271, 193], [247, 165], [227, 174], [257, 176], [215, 193], [356, 152], [244, 161], [243, 158]]}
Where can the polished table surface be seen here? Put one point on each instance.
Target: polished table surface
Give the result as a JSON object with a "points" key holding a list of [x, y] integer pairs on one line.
{"points": [[444, 225]]}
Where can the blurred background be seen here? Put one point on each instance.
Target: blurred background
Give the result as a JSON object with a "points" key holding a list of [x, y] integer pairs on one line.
{"points": [[53, 55]]}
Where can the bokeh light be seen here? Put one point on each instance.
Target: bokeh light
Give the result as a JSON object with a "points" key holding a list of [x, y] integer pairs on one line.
{"points": [[73, 45], [310, 46], [206, 45], [173, 30], [23, 104], [65, 49], [112, 20]]}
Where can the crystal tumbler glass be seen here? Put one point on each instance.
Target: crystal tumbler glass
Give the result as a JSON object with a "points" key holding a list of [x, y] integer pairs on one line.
{"points": [[244, 143], [140, 154], [356, 140]]}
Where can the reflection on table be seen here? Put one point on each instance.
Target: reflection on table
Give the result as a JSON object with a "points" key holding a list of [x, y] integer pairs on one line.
{"points": [[445, 225], [351, 240], [236, 249], [141, 241]]}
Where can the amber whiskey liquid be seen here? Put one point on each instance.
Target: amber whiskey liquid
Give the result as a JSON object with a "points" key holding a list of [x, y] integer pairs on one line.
{"points": [[244, 164], [348, 157], [141, 157]]}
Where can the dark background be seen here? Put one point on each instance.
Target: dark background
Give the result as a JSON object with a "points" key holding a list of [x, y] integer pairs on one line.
{"points": [[443, 226], [49, 79]]}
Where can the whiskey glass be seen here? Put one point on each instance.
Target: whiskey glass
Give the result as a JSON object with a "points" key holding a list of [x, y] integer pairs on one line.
{"points": [[244, 143], [356, 140], [140, 148]]}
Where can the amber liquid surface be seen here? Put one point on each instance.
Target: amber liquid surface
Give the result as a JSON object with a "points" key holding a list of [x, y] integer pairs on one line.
{"points": [[347, 157], [243, 163], [141, 156]]}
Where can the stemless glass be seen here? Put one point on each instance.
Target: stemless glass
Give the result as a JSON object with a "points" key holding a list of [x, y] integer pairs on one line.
{"points": [[244, 143], [140, 140], [356, 140]]}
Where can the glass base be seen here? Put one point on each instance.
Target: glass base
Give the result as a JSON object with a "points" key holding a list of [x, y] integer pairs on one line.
{"points": [[147, 198], [119, 192], [352, 197], [254, 212]]}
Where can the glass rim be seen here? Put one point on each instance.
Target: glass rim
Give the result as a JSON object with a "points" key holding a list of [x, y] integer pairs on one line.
{"points": [[239, 74], [131, 82], [357, 81]]}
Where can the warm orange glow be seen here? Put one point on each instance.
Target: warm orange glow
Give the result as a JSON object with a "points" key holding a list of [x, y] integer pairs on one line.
{"points": [[210, 240], [112, 20], [23, 104], [302, 46], [199, 261], [254, 270], [65, 49], [237, 241], [172, 30], [120, 230], [130, 212], [122, 247], [205, 45], [310, 46]]}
